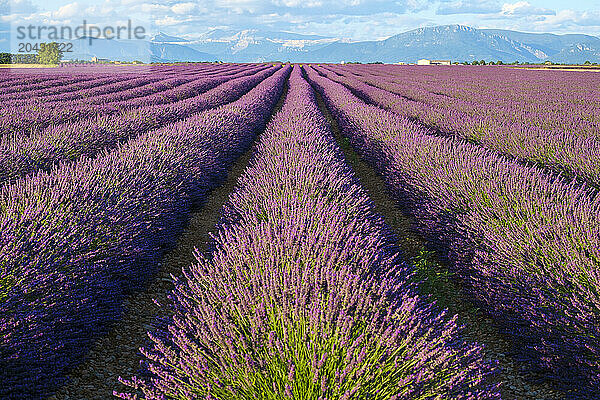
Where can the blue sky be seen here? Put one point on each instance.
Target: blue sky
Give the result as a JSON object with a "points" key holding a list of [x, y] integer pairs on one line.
{"points": [[352, 19]]}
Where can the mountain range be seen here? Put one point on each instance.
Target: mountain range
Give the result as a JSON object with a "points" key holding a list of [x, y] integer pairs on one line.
{"points": [[462, 43], [452, 42]]}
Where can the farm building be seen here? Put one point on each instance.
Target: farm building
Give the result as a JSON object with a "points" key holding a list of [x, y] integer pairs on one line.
{"points": [[434, 62], [99, 60]]}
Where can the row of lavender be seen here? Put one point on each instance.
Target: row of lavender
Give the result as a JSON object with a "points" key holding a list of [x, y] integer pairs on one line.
{"points": [[92, 87], [21, 155], [527, 243], [26, 119], [533, 97], [15, 87], [68, 87], [11, 82], [74, 241], [561, 141], [303, 295]]}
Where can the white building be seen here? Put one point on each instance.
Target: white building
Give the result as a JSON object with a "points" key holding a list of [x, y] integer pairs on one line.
{"points": [[434, 62], [99, 60]]}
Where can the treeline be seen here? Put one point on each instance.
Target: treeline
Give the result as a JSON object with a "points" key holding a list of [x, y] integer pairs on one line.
{"points": [[47, 53], [7, 58]]}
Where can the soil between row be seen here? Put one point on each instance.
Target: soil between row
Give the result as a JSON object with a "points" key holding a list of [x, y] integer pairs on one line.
{"points": [[438, 282]]}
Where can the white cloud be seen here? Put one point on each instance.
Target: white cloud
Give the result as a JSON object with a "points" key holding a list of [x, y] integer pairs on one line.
{"points": [[68, 11], [169, 21], [376, 27], [10, 17], [356, 19], [150, 8], [100, 10], [184, 8], [524, 8], [569, 19], [469, 7], [17, 7], [298, 3]]}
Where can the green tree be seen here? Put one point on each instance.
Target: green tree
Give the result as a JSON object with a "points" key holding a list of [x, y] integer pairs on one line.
{"points": [[4, 58], [475, 62], [587, 63], [482, 62], [49, 53]]}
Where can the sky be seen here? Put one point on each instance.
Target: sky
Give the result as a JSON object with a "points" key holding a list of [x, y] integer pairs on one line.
{"points": [[349, 19]]}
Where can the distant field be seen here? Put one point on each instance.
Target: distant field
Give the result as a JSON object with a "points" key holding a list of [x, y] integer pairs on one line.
{"points": [[590, 68], [27, 66], [336, 211]]}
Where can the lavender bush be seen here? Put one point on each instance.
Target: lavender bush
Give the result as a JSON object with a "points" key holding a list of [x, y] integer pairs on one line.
{"points": [[21, 155], [303, 295], [21, 120], [527, 243], [561, 133], [74, 241], [96, 92]]}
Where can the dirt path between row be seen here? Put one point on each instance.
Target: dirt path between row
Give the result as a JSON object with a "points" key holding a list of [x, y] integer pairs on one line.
{"points": [[448, 293], [117, 354]]}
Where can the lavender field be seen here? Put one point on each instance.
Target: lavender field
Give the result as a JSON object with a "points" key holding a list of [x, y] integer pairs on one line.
{"points": [[273, 231]]}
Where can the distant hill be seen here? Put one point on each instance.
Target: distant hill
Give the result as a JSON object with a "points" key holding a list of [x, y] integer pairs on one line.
{"points": [[453, 42], [462, 43], [164, 38], [132, 50], [253, 45], [557, 48]]}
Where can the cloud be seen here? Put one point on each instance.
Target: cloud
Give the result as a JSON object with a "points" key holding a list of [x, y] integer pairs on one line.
{"points": [[353, 7], [169, 21], [17, 7], [354, 19], [560, 22], [150, 9], [524, 8], [380, 26], [101, 10], [9, 18], [298, 3], [68, 11], [198, 16], [184, 8], [469, 7], [569, 20], [320, 7]]}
